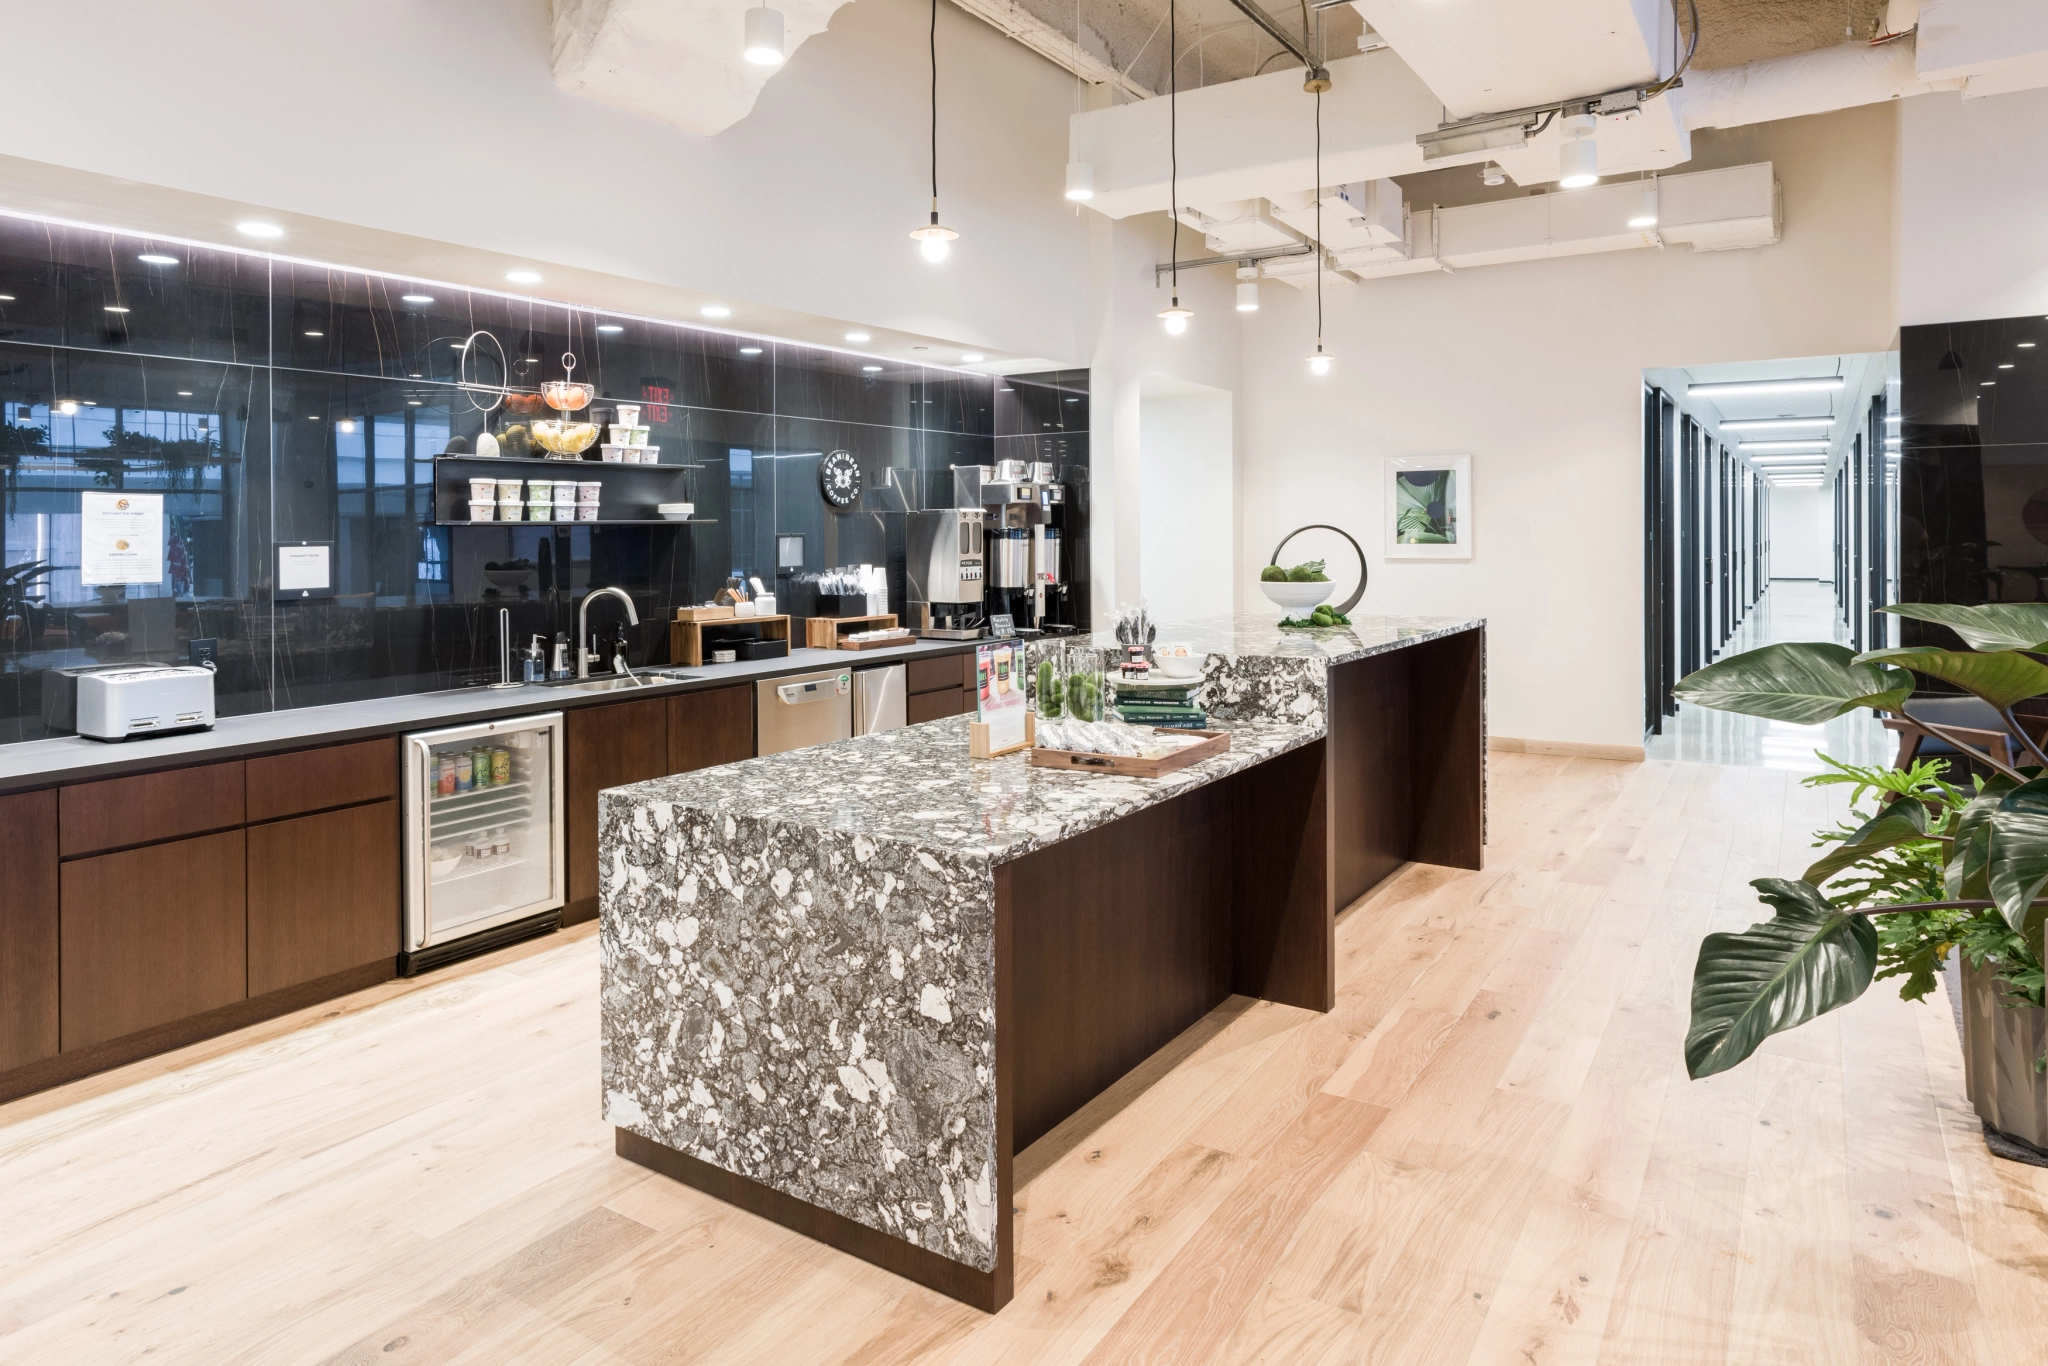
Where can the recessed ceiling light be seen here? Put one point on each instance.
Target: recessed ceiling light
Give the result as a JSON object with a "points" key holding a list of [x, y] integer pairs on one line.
{"points": [[316, 334], [750, 350], [2025, 345], [1750, 424], [6, 298], [413, 402], [1783, 445], [1767, 386], [2006, 366], [417, 298], [259, 229], [609, 328], [459, 346], [115, 308], [150, 258], [715, 311], [871, 369], [414, 375], [184, 393], [1987, 384], [972, 358], [312, 417], [523, 277], [857, 337], [90, 402]]}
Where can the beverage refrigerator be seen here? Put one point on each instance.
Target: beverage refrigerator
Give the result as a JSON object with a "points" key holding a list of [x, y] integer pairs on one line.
{"points": [[484, 849]]}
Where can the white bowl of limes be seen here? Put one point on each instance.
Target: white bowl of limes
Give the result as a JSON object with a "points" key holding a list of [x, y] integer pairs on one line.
{"points": [[1296, 589]]}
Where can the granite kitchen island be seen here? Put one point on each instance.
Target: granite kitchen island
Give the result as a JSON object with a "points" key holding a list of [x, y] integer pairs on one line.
{"points": [[843, 986]]}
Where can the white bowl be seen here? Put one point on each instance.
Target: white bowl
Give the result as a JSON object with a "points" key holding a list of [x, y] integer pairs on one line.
{"points": [[676, 512], [1179, 666], [444, 864], [1296, 597]]}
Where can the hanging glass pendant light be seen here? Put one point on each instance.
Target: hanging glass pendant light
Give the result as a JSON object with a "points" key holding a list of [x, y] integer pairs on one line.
{"points": [[1175, 317], [764, 36], [934, 239]]}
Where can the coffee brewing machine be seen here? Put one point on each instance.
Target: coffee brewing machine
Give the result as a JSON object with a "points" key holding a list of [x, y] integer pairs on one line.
{"points": [[1024, 510], [943, 573]]}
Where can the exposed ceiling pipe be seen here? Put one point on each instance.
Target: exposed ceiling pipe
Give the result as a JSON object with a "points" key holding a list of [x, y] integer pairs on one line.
{"points": [[1055, 45], [1819, 82], [1258, 16]]}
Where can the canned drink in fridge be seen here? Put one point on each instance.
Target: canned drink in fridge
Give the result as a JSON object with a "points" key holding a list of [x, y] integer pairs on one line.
{"points": [[501, 766], [465, 774]]}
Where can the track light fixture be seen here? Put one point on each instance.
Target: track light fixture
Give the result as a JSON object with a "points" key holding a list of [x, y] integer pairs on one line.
{"points": [[934, 239], [1080, 181], [764, 36], [1578, 160], [1247, 289]]}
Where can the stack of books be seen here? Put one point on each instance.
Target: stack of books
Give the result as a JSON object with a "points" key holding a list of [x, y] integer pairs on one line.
{"points": [[1161, 702]]}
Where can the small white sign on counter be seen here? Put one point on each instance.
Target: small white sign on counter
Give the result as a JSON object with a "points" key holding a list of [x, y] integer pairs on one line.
{"points": [[121, 538], [999, 694]]}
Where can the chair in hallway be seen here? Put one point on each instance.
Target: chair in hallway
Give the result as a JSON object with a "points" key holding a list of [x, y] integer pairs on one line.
{"points": [[1969, 719]]}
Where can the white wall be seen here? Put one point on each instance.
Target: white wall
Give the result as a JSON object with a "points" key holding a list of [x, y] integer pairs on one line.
{"points": [[1187, 515], [1802, 534], [1535, 370], [442, 120], [1972, 207]]}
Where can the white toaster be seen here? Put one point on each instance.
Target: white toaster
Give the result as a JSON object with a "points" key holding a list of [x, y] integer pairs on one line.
{"points": [[116, 703]]}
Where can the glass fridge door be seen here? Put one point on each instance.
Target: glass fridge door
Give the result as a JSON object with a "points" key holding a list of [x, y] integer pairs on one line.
{"points": [[484, 826]]}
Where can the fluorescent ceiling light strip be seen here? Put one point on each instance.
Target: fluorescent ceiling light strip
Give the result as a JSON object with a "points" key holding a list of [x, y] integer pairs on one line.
{"points": [[133, 234], [1783, 445], [1767, 386], [1751, 424]]}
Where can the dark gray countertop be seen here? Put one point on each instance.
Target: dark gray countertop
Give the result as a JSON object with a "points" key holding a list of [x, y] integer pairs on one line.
{"points": [[42, 763]]}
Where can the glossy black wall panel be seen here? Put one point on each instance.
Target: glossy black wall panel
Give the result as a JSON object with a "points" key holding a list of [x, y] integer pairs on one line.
{"points": [[270, 400]]}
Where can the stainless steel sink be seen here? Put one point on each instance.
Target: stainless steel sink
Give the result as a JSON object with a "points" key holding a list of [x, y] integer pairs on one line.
{"points": [[653, 678]]}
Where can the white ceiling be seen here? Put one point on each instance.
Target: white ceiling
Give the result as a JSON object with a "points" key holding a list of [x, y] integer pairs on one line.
{"points": [[1863, 374]]}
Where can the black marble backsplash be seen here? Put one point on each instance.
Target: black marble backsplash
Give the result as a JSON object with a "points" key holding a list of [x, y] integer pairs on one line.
{"points": [[269, 400]]}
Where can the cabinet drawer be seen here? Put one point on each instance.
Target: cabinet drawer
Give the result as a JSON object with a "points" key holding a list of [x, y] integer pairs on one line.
{"points": [[323, 895], [151, 935], [115, 812], [930, 675], [317, 779], [930, 706]]}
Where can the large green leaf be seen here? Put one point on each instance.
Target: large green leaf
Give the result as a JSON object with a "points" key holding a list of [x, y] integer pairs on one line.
{"points": [[2017, 862], [1993, 626], [2001, 677], [1804, 961], [1901, 821], [1806, 683], [1966, 875]]}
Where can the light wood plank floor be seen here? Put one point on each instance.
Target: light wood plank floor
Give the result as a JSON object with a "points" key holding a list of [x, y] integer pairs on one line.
{"points": [[1488, 1153]]}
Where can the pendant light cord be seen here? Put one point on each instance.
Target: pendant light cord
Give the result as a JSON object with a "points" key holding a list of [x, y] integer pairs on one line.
{"points": [[1319, 220], [1172, 138], [935, 110]]}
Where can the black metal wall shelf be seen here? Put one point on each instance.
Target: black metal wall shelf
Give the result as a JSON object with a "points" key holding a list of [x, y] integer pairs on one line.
{"points": [[631, 490]]}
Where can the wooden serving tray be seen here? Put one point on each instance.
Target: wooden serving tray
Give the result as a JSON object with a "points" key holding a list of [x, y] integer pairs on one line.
{"points": [[704, 614], [686, 638], [891, 643], [1211, 744]]}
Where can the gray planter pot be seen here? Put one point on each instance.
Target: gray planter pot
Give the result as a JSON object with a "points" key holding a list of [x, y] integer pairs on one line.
{"points": [[1999, 1049]]}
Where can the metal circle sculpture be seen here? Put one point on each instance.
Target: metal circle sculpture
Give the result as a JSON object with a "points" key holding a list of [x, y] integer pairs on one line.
{"points": [[472, 387], [1343, 609]]}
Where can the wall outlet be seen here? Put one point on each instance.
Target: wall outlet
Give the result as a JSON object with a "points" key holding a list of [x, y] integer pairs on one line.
{"points": [[203, 653]]}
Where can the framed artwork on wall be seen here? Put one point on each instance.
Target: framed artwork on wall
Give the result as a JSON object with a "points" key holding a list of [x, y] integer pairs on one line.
{"points": [[1429, 508]]}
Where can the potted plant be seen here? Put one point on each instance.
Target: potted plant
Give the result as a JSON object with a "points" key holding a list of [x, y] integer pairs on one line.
{"points": [[1930, 865]]}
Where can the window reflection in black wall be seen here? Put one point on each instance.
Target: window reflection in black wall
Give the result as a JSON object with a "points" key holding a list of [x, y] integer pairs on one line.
{"points": [[270, 400], [1973, 472]]}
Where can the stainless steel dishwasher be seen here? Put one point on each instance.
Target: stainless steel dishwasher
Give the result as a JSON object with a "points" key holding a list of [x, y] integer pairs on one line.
{"points": [[803, 709]]}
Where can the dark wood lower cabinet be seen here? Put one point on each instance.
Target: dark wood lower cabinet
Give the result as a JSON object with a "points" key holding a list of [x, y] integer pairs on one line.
{"points": [[930, 706], [706, 729], [152, 935], [28, 928], [323, 895], [621, 742]]}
